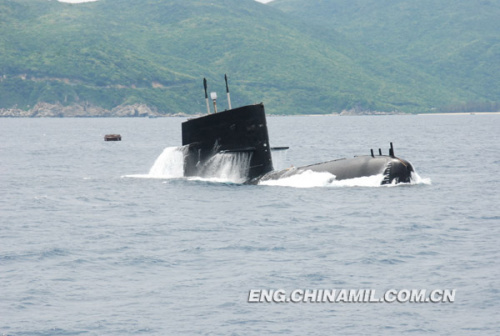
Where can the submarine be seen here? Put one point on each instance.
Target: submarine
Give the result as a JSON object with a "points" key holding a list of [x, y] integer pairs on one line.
{"points": [[243, 131]]}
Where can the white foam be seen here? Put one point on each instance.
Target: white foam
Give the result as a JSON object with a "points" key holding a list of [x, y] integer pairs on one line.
{"points": [[310, 179], [221, 168], [170, 164], [416, 179], [227, 167], [307, 179]]}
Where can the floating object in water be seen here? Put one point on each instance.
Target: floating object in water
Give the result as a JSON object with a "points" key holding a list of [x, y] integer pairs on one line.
{"points": [[112, 137], [244, 130]]}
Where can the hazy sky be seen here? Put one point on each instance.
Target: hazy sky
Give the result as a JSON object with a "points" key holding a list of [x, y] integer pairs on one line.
{"points": [[78, 1]]}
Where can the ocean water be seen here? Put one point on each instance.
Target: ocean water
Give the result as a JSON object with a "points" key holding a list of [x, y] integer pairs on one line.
{"points": [[104, 238]]}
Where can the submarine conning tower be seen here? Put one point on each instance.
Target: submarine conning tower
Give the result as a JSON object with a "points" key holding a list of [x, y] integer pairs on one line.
{"points": [[238, 130]]}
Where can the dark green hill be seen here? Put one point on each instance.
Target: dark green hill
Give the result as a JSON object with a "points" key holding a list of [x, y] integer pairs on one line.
{"points": [[457, 41], [114, 52]]}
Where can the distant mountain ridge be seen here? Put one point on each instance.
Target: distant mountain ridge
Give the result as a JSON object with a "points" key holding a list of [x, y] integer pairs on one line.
{"points": [[114, 53], [457, 41]]}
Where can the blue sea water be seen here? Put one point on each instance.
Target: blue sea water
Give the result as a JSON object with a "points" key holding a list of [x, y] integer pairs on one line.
{"points": [[89, 248]]}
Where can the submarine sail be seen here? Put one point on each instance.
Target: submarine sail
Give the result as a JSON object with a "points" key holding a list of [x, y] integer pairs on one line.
{"points": [[242, 129]]}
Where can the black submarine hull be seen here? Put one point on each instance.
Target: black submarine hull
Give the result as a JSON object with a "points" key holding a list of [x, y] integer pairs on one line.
{"points": [[394, 170], [244, 130]]}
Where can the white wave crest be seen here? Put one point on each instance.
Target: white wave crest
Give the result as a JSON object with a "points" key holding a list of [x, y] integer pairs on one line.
{"points": [[169, 165], [416, 179]]}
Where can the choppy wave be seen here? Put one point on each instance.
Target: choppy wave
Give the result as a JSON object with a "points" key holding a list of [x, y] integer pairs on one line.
{"points": [[172, 256]]}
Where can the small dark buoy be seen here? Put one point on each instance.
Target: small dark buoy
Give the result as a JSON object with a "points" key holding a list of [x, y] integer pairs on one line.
{"points": [[112, 137]]}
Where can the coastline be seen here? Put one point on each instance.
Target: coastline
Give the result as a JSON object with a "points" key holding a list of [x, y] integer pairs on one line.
{"points": [[456, 113], [85, 110], [46, 110]]}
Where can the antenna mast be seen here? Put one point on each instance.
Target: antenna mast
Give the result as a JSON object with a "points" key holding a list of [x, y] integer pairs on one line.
{"points": [[228, 95], [206, 95]]}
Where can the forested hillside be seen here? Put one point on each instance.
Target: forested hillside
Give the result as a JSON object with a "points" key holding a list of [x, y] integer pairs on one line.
{"points": [[457, 41], [156, 52]]}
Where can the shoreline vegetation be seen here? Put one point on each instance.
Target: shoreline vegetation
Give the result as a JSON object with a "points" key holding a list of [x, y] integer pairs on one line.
{"points": [[301, 57], [47, 110]]}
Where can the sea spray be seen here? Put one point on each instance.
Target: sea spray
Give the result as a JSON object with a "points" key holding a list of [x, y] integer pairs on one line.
{"points": [[222, 167], [416, 179], [170, 163], [228, 167], [311, 179]]}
